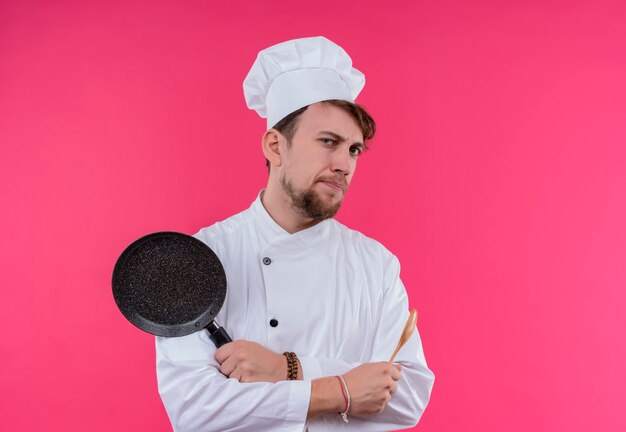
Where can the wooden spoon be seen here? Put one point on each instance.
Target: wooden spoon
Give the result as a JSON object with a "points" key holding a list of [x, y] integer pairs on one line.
{"points": [[409, 327]]}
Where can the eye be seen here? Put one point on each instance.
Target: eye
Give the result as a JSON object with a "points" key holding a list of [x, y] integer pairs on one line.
{"points": [[328, 140], [356, 150]]}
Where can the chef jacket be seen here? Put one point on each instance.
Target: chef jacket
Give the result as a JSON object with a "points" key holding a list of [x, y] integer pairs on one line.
{"points": [[328, 293]]}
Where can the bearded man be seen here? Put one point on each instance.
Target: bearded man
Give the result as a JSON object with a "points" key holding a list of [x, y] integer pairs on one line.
{"points": [[315, 308]]}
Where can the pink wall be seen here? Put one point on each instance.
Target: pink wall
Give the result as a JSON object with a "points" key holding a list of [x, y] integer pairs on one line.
{"points": [[498, 177]]}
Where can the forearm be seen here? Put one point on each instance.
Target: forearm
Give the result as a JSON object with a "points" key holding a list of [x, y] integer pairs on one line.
{"points": [[326, 397], [198, 397], [403, 410]]}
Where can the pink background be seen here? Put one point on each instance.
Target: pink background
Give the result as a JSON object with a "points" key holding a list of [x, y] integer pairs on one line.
{"points": [[498, 177]]}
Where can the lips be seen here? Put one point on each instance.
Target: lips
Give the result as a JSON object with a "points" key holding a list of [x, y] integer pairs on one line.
{"points": [[334, 184]]}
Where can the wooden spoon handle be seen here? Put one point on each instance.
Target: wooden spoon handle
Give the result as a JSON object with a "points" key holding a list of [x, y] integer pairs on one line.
{"points": [[409, 327]]}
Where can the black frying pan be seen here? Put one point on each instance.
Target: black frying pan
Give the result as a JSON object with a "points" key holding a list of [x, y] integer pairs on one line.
{"points": [[171, 284]]}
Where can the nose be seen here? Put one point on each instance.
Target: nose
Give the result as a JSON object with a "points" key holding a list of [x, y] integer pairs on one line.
{"points": [[342, 162]]}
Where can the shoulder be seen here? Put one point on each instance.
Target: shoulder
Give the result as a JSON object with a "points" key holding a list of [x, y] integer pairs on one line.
{"points": [[213, 235], [378, 267], [357, 242]]}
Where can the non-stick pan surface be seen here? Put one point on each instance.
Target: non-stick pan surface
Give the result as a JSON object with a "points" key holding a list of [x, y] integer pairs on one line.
{"points": [[169, 284]]}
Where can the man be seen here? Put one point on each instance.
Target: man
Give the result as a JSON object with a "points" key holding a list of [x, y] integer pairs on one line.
{"points": [[315, 309]]}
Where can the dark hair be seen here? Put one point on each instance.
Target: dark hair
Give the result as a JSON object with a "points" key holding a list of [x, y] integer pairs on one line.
{"points": [[288, 125]]}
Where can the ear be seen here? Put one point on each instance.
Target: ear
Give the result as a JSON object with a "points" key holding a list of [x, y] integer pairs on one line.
{"points": [[271, 146]]}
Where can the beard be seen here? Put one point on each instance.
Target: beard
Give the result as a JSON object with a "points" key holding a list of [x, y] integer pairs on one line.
{"points": [[308, 203]]}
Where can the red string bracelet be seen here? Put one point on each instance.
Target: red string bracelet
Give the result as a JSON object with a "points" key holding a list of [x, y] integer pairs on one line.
{"points": [[346, 397]]}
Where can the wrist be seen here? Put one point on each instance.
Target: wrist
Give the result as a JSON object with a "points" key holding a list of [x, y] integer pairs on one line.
{"points": [[346, 396], [281, 371], [326, 397]]}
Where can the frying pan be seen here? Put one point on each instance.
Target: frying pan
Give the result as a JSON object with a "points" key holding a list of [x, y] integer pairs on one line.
{"points": [[171, 284]]}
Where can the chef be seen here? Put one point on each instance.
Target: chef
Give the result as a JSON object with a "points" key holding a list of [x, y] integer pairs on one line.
{"points": [[315, 309]]}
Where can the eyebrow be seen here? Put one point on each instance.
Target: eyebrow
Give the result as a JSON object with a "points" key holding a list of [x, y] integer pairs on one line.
{"points": [[343, 139]]}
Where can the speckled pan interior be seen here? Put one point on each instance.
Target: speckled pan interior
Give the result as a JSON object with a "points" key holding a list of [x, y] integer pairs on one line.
{"points": [[169, 284]]}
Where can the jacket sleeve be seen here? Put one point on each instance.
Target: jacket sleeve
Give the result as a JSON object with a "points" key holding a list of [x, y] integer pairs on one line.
{"points": [[197, 397], [414, 387]]}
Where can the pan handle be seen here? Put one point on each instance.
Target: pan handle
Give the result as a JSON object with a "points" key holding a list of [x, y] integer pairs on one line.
{"points": [[217, 334]]}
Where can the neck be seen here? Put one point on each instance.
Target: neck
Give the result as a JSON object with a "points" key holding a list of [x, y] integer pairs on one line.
{"points": [[279, 207]]}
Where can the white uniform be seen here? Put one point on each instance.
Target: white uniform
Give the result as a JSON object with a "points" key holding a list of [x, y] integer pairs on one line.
{"points": [[337, 300]]}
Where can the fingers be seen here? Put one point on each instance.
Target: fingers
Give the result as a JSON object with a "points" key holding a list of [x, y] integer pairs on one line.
{"points": [[392, 371], [395, 371], [224, 352], [228, 366], [232, 369], [236, 374], [227, 359]]}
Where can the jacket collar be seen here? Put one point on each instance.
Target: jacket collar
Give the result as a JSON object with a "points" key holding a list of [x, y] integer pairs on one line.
{"points": [[272, 232]]}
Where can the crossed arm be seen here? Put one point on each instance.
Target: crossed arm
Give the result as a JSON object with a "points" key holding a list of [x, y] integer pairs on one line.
{"points": [[243, 386], [198, 396], [371, 385]]}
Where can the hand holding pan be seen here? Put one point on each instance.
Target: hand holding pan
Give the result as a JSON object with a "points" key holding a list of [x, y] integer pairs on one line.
{"points": [[171, 284]]}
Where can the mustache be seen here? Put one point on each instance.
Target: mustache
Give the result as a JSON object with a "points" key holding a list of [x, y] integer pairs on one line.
{"points": [[339, 180]]}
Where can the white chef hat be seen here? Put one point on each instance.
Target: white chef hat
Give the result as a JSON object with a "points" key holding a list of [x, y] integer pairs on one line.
{"points": [[297, 73]]}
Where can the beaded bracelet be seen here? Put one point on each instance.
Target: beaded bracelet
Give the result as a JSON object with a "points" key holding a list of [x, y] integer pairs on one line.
{"points": [[292, 365]]}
